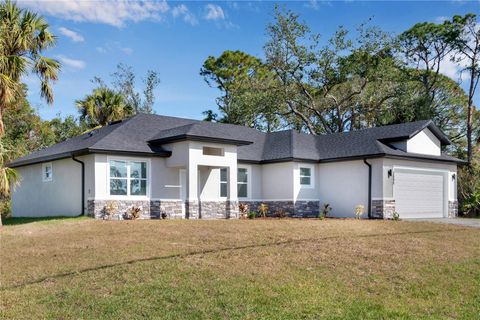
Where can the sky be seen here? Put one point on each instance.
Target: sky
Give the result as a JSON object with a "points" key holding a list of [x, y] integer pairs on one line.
{"points": [[174, 39]]}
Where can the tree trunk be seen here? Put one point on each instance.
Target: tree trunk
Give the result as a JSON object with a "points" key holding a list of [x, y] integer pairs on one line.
{"points": [[471, 92]]}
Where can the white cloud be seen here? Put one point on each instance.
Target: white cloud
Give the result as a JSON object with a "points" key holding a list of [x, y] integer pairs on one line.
{"points": [[101, 49], [441, 19], [182, 11], [74, 36], [214, 12], [315, 4], [74, 63], [115, 13], [127, 50]]}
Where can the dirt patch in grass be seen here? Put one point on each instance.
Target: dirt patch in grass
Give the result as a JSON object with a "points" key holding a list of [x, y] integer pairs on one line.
{"points": [[239, 269]]}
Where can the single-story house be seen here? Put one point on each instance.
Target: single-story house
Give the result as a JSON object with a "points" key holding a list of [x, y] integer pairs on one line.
{"points": [[180, 168]]}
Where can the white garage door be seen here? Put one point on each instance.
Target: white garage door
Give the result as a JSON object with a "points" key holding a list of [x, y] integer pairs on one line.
{"points": [[419, 194]]}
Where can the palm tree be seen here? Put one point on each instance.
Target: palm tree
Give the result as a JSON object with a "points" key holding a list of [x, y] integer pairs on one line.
{"points": [[102, 106], [24, 35], [9, 178]]}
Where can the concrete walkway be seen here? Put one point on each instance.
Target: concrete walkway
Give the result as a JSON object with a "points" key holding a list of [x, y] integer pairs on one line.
{"points": [[457, 221]]}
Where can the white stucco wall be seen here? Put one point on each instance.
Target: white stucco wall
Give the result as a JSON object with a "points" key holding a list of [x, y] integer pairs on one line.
{"points": [[424, 142], [344, 185], [197, 160], [277, 181], [306, 192], [256, 178], [59, 197], [209, 187]]}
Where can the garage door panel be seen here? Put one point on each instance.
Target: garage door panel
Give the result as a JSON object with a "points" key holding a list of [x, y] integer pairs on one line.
{"points": [[419, 195]]}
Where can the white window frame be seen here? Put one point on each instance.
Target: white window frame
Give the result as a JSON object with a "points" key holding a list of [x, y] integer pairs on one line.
{"points": [[44, 166], [220, 183], [128, 196], [248, 183], [312, 176]]}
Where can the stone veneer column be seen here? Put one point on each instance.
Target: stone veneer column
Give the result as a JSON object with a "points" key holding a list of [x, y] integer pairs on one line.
{"points": [[192, 209], [383, 208], [453, 209], [166, 209]]}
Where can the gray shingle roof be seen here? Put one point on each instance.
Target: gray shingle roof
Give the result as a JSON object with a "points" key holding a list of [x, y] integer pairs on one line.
{"points": [[202, 131], [144, 134]]}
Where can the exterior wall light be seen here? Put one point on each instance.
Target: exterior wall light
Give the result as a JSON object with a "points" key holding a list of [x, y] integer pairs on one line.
{"points": [[454, 176], [389, 173]]}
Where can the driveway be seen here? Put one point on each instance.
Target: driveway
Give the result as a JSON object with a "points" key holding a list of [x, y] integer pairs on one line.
{"points": [[457, 221]]}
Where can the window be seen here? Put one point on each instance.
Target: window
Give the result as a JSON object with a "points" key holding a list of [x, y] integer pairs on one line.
{"points": [[47, 172], [210, 151], [242, 182], [305, 177], [223, 182], [128, 178]]}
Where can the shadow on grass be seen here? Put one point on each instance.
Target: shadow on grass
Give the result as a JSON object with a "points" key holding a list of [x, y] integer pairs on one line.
{"points": [[19, 221]]}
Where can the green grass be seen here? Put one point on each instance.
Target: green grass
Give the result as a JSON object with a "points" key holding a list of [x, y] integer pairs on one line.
{"points": [[16, 221], [267, 269]]}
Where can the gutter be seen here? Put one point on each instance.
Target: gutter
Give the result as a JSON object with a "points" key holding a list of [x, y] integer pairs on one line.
{"points": [[369, 188], [83, 182]]}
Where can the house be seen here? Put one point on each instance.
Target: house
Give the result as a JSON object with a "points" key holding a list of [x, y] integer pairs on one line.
{"points": [[181, 168]]}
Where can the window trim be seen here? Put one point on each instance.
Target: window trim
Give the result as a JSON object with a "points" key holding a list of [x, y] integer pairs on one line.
{"points": [[44, 166], [128, 196], [220, 183], [312, 176], [248, 183]]}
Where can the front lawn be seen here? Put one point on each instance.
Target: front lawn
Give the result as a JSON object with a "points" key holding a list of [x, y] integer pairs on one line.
{"points": [[270, 269]]}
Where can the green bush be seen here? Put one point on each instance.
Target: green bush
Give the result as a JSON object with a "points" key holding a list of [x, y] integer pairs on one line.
{"points": [[469, 189], [325, 210], [396, 216], [5, 208], [252, 215], [471, 204]]}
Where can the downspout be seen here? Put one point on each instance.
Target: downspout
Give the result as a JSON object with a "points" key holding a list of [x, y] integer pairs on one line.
{"points": [[369, 188], [83, 182]]}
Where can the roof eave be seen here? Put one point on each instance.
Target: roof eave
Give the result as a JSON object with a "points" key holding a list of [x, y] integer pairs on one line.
{"points": [[185, 137], [425, 159], [65, 155]]}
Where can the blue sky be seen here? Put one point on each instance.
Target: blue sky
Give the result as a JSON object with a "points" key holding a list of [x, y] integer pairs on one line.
{"points": [[174, 38]]}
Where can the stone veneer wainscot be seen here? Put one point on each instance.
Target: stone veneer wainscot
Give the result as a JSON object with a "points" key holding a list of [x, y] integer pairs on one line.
{"points": [[165, 209], [299, 209]]}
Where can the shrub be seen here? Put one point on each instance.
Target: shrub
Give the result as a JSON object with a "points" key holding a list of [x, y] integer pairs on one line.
{"points": [[469, 187], [263, 209], [252, 215], [110, 208], [471, 203], [325, 210], [359, 211], [5, 209], [134, 212], [280, 213], [396, 216], [243, 209]]}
